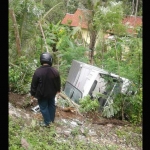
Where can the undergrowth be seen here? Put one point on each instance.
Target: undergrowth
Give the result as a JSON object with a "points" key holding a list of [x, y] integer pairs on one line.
{"points": [[40, 138]]}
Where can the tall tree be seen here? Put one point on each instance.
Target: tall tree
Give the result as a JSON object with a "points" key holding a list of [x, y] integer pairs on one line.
{"points": [[27, 13], [105, 16], [132, 7]]}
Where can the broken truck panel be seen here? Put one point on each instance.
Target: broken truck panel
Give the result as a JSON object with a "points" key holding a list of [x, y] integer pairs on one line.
{"points": [[84, 79]]}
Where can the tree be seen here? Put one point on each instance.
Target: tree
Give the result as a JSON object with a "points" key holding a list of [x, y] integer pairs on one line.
{"points": [[104, 16], [132, 7], [24, 14]]}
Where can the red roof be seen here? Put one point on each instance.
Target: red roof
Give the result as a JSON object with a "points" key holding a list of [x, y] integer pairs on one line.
{"points": [[77, 19], [132, 22]]}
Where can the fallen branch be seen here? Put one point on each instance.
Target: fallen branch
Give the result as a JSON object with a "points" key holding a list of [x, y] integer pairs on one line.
{"points": [[68, 109], [68, 99], [70, 102], [13, 65]]}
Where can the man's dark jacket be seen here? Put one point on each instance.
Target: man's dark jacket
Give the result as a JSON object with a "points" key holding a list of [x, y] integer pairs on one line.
{"points": [[45, 82]]}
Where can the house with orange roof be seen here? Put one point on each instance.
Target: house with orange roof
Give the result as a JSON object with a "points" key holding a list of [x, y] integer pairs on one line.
{"points": [[80, 19], [132, 22]]}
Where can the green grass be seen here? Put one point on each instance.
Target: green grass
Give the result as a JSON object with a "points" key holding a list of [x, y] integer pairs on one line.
{"points": [[40, 138], [131, 135]]}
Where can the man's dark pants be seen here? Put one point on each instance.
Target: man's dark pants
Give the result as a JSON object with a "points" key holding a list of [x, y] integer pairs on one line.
{"points": [[48, 109]]}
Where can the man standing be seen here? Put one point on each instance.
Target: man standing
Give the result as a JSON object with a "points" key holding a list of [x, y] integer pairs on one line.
{"points": [[45, 85]]}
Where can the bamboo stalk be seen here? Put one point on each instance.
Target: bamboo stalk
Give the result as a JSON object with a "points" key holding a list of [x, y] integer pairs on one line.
{"points": [[50, 10], [18, 43], [43, 35], [13, 65], [39, 23]]}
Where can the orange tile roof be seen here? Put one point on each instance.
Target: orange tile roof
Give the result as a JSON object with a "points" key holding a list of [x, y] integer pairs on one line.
{"points": [[77, 19], [133, 21]]}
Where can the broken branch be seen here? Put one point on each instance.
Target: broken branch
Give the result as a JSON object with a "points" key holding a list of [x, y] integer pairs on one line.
{"points": [[70, 102]]}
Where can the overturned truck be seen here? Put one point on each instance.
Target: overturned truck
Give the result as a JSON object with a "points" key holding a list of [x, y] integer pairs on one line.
{"points": [[84, 79]]}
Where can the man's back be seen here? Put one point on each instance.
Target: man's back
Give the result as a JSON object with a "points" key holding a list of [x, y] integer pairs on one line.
{"points": [[47, 80]]}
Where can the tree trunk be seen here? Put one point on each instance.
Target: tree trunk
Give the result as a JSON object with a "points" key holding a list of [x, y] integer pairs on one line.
{"points": [[102, 57], [18, 43], [23, 19], [132, 7], [92, 44], [139, 70], [122, 110], [137, 3]]}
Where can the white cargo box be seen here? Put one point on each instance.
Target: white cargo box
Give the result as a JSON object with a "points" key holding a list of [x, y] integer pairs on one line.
{"points": [[84, 79]]}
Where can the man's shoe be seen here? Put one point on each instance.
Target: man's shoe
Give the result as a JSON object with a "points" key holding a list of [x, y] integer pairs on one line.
{"points": [[42, 124]]}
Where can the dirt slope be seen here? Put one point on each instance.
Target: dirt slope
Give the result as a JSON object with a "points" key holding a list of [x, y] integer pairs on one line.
{"points": [[99, 130], [67, 113]]}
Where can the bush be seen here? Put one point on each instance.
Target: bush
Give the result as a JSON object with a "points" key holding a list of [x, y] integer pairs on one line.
{"points": [[20, 75], [88, 105]]}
